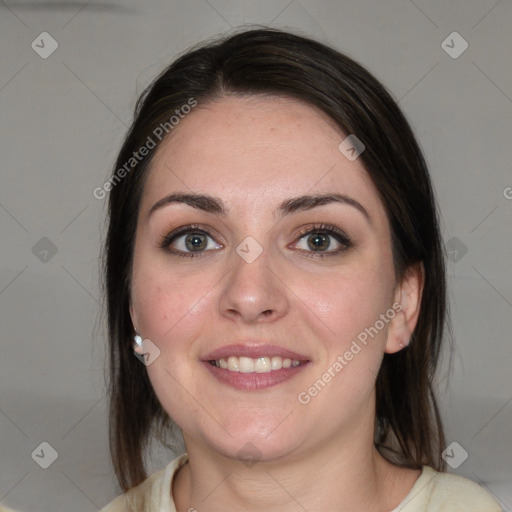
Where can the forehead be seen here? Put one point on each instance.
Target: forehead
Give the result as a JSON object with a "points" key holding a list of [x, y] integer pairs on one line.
{"points": [[252, 151]]}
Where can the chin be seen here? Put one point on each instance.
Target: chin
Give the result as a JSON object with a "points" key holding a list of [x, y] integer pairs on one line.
{"points": [[251, 444]]}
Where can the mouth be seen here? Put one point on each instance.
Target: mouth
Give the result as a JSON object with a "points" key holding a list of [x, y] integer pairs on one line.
{"points": [[254, 367], [265, 364]]}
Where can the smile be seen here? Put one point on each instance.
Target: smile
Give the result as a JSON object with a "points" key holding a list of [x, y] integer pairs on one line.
{"points": [[255, 365]]}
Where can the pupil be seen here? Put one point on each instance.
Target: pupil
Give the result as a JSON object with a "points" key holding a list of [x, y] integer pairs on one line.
{"points": [[195, 242], [318, 241]]}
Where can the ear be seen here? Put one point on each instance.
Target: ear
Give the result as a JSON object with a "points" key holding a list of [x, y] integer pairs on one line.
{"points": [[408, 301], [133, 316]]}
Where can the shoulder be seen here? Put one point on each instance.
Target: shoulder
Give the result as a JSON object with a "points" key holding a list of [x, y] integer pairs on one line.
{"points": [[152, 495], [446, 492]]}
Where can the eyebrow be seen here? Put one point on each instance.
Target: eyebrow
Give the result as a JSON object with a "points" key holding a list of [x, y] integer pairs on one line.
{"points": [[215, 205]]}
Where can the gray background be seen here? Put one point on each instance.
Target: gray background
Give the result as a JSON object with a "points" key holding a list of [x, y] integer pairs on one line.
{"points": [[63, 119]]}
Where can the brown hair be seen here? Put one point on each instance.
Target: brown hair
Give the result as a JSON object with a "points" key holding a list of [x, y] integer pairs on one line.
{"points": [[408, 428]]}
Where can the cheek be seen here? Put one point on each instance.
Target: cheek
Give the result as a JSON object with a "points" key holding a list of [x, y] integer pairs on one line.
{"points": [[168, 306], [172, 313], [349, 306], [155, 307], [348, 301]]}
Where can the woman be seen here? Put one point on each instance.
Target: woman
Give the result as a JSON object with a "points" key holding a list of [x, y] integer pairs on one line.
{"points": [[273, 259]]}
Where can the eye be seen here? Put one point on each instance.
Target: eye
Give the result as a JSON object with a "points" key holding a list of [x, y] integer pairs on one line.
{"points": [[187, 240], [324, 240]]}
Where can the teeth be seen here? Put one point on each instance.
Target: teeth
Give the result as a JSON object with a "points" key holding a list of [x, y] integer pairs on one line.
{"points": [[233, 364], [246, 364], [258, 365], [262, 365], [276, 362]]}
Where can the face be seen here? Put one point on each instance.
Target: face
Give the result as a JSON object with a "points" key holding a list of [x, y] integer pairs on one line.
{"points": [[247, 270]]}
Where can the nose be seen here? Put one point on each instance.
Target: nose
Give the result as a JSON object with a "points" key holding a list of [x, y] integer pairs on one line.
{"points": [[253, 292]]}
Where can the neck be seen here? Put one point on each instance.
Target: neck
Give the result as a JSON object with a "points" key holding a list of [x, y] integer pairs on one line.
{"points": [[345, 474]]}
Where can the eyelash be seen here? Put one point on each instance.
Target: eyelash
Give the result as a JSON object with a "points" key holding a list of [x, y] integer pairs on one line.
{"points": [[326, 229], [166, 240]]}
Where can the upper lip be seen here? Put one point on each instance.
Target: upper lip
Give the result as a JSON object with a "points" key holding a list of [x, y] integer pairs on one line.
{"points": [[254, 351]]}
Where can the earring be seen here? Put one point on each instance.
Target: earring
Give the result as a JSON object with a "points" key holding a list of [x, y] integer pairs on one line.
{"points": [[138, 340], [402, 343]]}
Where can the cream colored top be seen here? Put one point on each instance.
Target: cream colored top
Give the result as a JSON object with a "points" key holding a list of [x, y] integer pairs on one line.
{"points": [[432, 492]]}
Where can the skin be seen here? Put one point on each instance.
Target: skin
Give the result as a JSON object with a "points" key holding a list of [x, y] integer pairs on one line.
{"points": [[253, 153]]}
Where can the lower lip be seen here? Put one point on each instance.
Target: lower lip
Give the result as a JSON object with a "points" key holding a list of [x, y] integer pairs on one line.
{"points": [[253, 381]]}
